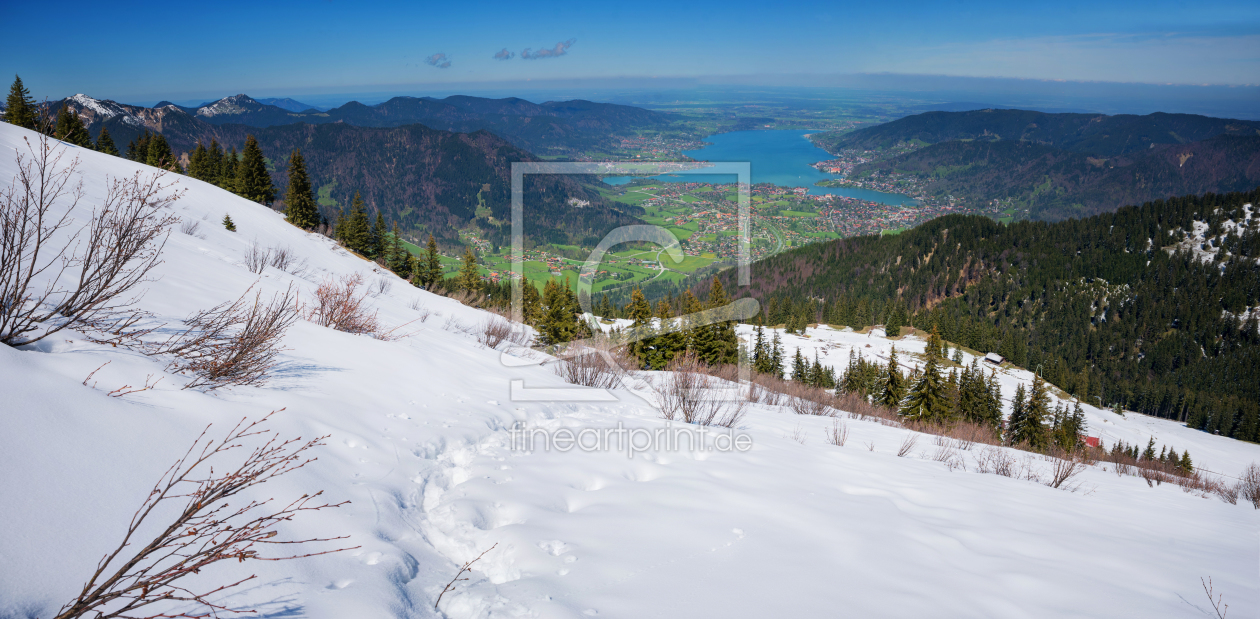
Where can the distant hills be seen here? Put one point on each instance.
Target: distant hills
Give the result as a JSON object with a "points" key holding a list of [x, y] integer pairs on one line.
{"points": [[420, 177], [1063, 165], [286, 103], [563, 127]]}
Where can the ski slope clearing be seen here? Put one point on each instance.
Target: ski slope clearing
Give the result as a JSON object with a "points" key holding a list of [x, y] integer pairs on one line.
{"points": [[421, 444]]}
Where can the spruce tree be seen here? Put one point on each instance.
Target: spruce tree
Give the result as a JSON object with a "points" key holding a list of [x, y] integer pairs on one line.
{"points": [[469, 273], [398, 257], [355, 232], [927, 400], [432, 267], [158, 153], [1031, 428], [252, 180], [641, 330], [891, 388], [377, 235], [228, 173], [105, 143], [531, 303], [299, 201], [70, 128], [718, 344], [20, 107], [228, 223]]}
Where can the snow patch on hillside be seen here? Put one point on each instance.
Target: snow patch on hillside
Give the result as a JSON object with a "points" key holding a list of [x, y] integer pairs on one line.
{"points": [[421, 444]]}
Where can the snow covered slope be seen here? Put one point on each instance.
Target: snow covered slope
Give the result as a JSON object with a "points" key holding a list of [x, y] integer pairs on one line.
{"points": [[421, 445]]}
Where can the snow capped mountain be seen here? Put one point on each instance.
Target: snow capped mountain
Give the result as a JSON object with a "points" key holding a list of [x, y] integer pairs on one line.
{"points": [[95, 111], [421, 443], [235, 104]]}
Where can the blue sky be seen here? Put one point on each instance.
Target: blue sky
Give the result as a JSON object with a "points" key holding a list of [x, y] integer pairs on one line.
{"points": [[143, 51]]}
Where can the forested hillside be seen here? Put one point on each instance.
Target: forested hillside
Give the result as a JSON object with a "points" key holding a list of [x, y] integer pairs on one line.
{"points": [[1153, 307], [1054, 166], [1096, 134]]}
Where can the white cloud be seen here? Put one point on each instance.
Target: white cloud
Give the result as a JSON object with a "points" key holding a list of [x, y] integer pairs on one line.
{"points": [[439, 60], [561, 49]]}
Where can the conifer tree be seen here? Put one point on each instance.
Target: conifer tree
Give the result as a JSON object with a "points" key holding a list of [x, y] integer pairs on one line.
{"points": [[299, 201], [1186, 465], [105, 143], [531, 304], [398, 257], [469, 275], [798, 367], [1031, 428], [158, 153], [228, 174], [1148, 454], [432, 268], [776, 355], [20, 107], [717, 344], [641, 330], [252, 180], [926, 400], [228, 223], [70, 128], [355, 232], [377, 235], [891, 388], [1019, 405], [559, 323]]}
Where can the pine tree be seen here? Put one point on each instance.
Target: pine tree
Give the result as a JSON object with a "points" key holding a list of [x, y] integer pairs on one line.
{"points": [[896, 320], [70, 128], [469, 273], [926, 400], [20, 107], [105, 143], [776, 356], [227, 223], [1186, 465], [252, 180], [798, 367], [229, 172], [355, 232], [1149, 453], [299, 201]]}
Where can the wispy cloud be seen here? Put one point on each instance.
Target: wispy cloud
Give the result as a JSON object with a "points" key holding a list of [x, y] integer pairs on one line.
{"points": [[504, 54], [561, 49], [439, 60]]}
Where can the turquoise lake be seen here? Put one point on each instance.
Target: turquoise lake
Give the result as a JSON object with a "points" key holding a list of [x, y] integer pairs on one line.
{"points": [[778, 157]]}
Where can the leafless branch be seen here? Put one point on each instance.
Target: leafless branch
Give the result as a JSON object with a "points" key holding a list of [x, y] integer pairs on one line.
{"points": [[451, 585], [210, 528], [1217, 606]]}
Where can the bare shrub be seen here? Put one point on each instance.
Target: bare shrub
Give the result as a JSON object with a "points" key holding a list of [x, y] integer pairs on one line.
{"points": [[467, 297], [284, 259], [945, 454], [190, 227], [257, 258], [232, 344], [210, 527], [870, 446], [452, 324], [1217, 603], [1152, 476], [1249, 484], [688, 394], [804, 400], [494, 331], [798, 434], [1028, 470], [839, 434], [1063, 467], [339, 305], [106, 260], [997, 461], [466, 567], [590, 367], [907, 444], [382, 286]]}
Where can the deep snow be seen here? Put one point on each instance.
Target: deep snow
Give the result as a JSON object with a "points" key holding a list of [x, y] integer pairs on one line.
{"points": [[420, 445]]}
